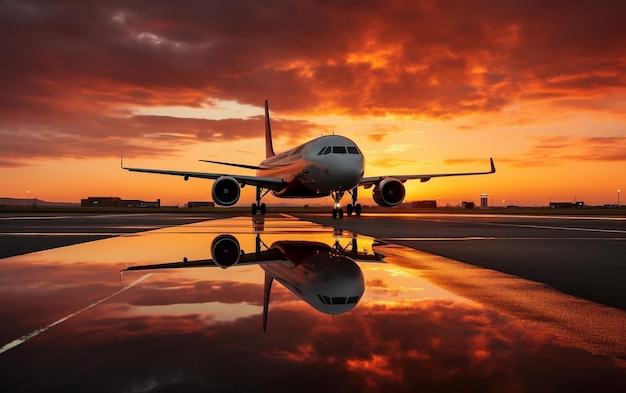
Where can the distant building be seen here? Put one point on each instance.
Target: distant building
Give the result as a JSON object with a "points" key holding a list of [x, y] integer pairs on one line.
{"points": [[425, 204], [117, 202], [467, 205], [567, 205], [139, 203], [200, 204], [100, 202], [484, 201]]}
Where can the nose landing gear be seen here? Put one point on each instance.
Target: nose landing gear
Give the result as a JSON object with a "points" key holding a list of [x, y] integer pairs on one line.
{"points": [[351, 208], [337, 210]]}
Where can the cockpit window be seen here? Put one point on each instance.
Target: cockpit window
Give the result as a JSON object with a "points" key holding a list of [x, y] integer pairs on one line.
{"points": [[338, 299], [339, 150]]}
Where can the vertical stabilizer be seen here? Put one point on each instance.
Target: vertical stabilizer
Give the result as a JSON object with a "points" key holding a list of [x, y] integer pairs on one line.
{"points": [[269, 148]]}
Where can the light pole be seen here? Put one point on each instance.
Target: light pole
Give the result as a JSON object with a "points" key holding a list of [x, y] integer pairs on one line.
{"points": [[492, 200], [618, 192], [28, 198]]}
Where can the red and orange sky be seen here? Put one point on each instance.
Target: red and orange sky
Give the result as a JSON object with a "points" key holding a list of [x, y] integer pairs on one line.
{"points": [[421, 87]]}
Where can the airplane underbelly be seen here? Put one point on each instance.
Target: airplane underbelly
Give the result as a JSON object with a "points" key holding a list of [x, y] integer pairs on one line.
{"points": [[302, 185], [314, 180]]}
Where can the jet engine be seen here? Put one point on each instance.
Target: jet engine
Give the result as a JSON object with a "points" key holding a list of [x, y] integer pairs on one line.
{"points": [[225, 251], [226, 191], [389, 192]]}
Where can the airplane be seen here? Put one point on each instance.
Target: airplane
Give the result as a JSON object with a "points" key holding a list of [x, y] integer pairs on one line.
{"points": [[327, 165], [327, 278]]}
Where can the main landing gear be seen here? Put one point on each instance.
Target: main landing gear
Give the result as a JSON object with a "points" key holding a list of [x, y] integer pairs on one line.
{"points": [[351, 208], [258, 206], [354, 207]]}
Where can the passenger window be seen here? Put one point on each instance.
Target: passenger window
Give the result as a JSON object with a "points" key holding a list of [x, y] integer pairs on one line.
{"points": [[353, 150], [339, 150]]}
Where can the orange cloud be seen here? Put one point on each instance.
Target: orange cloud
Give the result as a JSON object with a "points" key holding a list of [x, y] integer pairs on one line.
{"points": [[75, 75]]}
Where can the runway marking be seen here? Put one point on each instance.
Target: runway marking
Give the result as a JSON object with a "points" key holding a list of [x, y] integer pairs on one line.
{"points": [[33, 218], [559, 228], [576, 229], [37, 332]]}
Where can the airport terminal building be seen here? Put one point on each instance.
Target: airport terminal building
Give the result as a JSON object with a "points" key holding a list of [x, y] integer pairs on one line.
{"points": [[117, 202]]}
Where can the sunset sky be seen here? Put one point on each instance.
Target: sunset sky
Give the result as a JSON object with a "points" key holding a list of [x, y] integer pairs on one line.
{"points": [[420, 86]]}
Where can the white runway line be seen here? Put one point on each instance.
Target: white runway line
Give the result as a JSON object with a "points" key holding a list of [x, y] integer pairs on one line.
{"points": [[37, 332]]}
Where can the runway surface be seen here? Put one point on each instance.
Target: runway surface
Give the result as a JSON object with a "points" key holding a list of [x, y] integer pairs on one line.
{"points": [[428, 317], [581, 256], [24, 233]]}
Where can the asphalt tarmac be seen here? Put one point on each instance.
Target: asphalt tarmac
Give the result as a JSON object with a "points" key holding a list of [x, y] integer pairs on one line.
{"points": [[25, 233]]}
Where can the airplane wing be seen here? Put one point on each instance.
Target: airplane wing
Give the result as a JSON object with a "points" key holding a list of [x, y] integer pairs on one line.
{"points": [[270, 183], [263, 257], [368, 182]]}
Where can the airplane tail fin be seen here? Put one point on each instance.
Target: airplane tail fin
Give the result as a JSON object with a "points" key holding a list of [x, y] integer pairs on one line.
{"points": [[269, 148]]}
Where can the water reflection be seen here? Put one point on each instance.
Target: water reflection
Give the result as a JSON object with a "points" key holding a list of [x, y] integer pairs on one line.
{"points": [[200, 329], [325, 277]]}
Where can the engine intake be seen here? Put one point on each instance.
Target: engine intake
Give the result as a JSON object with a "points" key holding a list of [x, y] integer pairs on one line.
{"points": [[389, 192], [226, 191], [225, 251]]}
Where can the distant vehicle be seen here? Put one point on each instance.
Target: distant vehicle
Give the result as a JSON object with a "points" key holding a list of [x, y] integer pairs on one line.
{"points": [[325, 277], [328, 165]]}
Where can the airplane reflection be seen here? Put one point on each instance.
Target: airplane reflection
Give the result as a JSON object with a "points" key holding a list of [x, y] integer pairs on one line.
{"points": [[326, 277]]}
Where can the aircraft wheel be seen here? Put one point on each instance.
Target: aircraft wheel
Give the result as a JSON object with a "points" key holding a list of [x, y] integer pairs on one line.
{"points": [[357, 209], [263, 209], [349, 209], [340, 213], [334, 213], [254, 209]]}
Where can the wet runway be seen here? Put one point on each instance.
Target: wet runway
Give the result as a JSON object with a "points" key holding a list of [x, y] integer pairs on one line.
{"points": [[581, 256], [338, 317], [24, 233]]}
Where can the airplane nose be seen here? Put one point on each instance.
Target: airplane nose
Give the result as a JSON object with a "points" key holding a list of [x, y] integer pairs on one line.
{"points": [[348, 174]]}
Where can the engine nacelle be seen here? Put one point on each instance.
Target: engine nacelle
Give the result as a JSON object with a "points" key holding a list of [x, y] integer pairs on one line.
{"points": [[226, 191], [225, 251], [389, 192]]}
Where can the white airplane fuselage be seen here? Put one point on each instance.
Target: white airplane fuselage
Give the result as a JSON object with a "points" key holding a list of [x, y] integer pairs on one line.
{"points": [[314, 169], [328, 281]]}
